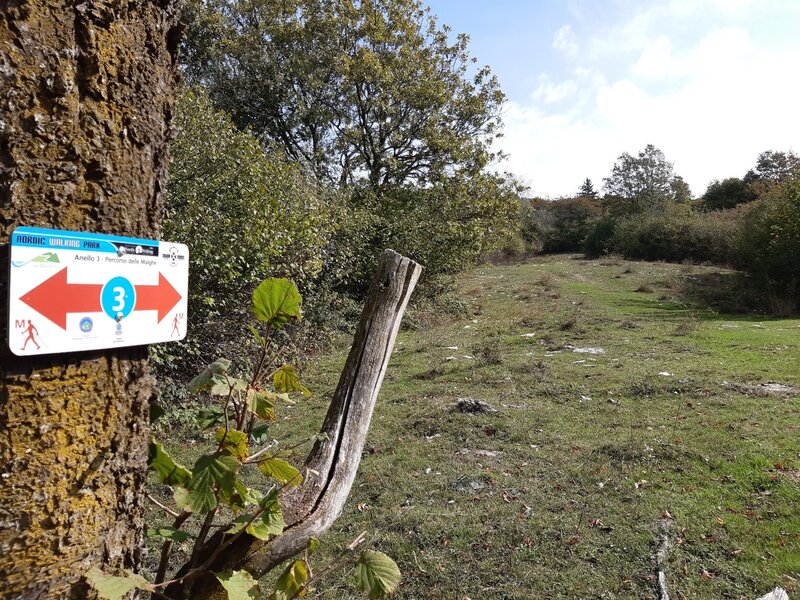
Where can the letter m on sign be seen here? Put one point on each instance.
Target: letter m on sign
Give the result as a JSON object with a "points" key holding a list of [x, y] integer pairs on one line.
{"points": [[19, 324]]}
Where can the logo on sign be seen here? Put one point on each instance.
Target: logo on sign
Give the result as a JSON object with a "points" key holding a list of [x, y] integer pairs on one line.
{"points": [[47, 257], [86, 324]]}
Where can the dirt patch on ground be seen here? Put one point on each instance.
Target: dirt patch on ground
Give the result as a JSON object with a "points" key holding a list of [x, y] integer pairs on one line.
{"points": [[763, 390]]}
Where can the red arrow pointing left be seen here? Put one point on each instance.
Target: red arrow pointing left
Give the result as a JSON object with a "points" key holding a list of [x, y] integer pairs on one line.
{"points": [[54, 298]]}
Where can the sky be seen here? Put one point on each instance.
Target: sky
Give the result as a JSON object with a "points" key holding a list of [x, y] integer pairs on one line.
{"points": [[712, 83]]}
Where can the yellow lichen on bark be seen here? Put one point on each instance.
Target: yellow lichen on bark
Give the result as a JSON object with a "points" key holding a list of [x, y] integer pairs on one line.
{"points": [[86, 94], [78, 463]]}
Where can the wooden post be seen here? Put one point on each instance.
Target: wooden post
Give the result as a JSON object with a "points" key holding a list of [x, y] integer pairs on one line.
{"points": [[311, 508]]}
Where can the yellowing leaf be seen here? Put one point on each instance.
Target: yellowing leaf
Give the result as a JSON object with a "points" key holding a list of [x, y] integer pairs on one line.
{"points": [[287, 380], [233, 442], [262, 404], [290, 581], [281, 471], [114, 588], [376, 575], [240, 585]]}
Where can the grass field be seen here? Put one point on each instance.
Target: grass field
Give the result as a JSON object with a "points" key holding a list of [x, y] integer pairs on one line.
{"points": [[625, 416]]}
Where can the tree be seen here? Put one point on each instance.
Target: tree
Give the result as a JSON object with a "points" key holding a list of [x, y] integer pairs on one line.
{"points": [[642, 183], [774, 167], [681, 193], [370, 90], [587, 190], [721, 195], [87, 94], [563, 224]]}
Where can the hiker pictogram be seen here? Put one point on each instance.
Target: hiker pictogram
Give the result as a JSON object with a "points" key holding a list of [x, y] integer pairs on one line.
{"points": [[175, 325], [32, 333]]}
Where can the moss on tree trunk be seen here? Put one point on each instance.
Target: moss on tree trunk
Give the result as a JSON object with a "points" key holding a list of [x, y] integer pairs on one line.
{"points": [[86, 94]]}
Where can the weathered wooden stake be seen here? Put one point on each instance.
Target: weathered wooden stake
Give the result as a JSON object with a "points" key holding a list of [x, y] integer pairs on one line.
{"points": [[311, 508]]}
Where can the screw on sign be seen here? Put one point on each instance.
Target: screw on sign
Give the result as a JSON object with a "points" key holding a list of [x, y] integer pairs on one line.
{"points": [[84, 291]]}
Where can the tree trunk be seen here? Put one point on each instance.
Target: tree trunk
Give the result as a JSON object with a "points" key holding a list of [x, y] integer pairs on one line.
{"points": [[311, 508], [86, 94]]}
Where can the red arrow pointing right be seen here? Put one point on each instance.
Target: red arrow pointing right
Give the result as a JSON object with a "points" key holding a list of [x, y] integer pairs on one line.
{"points": [[162, 297], [54, 298]]}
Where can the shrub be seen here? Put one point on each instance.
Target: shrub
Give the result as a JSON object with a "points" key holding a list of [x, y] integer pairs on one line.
{"points": [[678, 235], [561, 225], [770, 239], [245, 213], [599, 237], [446, 227]]}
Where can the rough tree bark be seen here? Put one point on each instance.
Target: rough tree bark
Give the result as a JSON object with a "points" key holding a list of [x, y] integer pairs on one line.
{"points": [[86, 94], [311, 508]]}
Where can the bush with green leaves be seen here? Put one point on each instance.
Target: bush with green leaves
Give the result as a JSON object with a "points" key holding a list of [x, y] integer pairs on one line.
{"points": [[246, 213], [564, 224], [450, 225], [676, 235], [770, 240], [213, 490], [599, 238]]}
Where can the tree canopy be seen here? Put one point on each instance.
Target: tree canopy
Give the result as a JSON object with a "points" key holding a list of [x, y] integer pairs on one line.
{"points": [[643, 182], [774, 167], [369, 90], [727, 193]]}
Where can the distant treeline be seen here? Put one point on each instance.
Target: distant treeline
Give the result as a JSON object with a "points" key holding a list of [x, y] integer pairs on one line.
{"points": [[647, 213]]}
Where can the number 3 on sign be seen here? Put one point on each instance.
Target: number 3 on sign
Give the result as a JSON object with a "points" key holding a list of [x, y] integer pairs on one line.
{"points": [[118, 297]]}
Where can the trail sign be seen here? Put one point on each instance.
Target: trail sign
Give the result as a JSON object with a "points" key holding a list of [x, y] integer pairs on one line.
{"points": [[72, 291]]}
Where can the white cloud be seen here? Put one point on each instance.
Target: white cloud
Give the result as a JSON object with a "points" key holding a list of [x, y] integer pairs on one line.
{"points": [[550, 92], [655, 59], [564, 41], [727, 100]]}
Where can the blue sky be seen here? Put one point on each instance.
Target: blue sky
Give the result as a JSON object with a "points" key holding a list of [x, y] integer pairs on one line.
{"points": [[712, 83]]}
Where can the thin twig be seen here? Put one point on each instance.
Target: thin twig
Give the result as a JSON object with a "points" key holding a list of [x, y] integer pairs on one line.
{"points": [[201, 537], [253, 458], [163, 507], [166, 547], [264, 350]]}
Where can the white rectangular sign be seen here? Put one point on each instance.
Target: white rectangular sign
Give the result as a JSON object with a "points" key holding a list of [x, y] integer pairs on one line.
{"points": [[72, 291]]}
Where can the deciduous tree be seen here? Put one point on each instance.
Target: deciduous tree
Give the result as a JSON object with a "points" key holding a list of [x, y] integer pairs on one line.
{"points": [[372, 89], [774, 166], [643, 182], [727, 193]]}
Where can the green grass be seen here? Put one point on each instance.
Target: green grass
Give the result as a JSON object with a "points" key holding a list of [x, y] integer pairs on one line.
{"points": [[561, 492]]}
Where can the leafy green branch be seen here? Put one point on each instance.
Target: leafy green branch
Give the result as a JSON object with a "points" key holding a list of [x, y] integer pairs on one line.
{"points": [[213, 486]]}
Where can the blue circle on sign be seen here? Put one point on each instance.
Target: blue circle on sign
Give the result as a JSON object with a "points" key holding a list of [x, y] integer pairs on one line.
{"points": [[118, 298], [86, 324]]}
